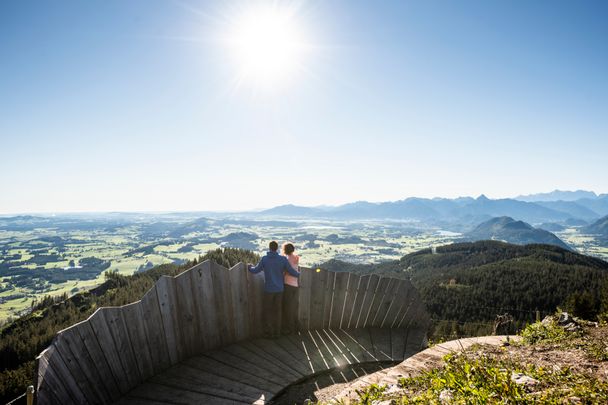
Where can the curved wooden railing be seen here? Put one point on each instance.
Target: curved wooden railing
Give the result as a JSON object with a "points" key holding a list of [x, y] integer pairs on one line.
{"points": [[101, 359]]}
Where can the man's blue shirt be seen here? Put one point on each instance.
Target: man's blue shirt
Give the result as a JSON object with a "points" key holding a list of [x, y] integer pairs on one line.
{"points": [[274, 265]]}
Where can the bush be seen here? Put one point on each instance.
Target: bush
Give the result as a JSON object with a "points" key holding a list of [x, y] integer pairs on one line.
{"points": [[547, 331]]}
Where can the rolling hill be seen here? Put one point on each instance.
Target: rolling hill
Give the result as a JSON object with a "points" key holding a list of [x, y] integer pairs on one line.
{"points": [[476, 281], [599, 228], [518, 232]]}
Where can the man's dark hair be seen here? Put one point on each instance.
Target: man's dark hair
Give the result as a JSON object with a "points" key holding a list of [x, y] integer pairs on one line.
{"points": [[288, 248], [273, 245]]}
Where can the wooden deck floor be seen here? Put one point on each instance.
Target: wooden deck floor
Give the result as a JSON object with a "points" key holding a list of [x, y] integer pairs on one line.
{"points": [[253, 372]]}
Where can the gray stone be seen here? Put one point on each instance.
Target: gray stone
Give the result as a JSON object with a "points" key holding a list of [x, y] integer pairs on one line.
{"points": [[522, 379]]}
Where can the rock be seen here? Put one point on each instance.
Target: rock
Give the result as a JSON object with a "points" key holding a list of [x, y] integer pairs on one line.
{"points": [[564, 318], [522, 379], [547, 320], [392, 388], [446, 396]]}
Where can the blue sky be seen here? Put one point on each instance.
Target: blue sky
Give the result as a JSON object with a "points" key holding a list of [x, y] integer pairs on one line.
{"points": [[131, 105]]}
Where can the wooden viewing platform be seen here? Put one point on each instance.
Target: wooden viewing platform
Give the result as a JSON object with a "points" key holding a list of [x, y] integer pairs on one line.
{"points": [[196, 338]]}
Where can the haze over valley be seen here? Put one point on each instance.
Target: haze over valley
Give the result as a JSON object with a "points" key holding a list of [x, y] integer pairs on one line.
{"points": [[69, 253]]}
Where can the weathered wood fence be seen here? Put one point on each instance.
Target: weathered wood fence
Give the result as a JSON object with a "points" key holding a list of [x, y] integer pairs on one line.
{"points": [[204, 308]]}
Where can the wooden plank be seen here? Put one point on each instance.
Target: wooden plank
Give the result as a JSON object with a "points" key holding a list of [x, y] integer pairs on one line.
{"points": [[154, 330], [88, 367], [362, 338], [420, 317], [139, 401], [402, 299], [223, 303], [276, 351], [186, 314], [100, 327], [339, 349], [98, 357], [339, 299], [196, 380], [374, 308], [390, 304], [318, 357], [204, 296], [317, 299], [119, 333], [255, 291], [359, 296], [398, 339], [416, 315], [324, 344], [167, 302], [74, 370], [381, 339], [165, 393], [296, 350], [349, 299], [416, 341], [52, 386], [406, 316], [240, 301], [304, 291], [229, 371], [253, 364], [134, 320], [350, 345], [368, 298], [313, 360], [45, 392], [329, 299], [255, 355], [57, 362]]}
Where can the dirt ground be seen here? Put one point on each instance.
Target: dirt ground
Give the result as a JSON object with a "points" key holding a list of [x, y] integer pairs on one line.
{"points": [[576, 355]]}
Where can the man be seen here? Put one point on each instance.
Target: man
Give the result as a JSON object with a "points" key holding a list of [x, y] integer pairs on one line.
{"points": [[274, 266]]}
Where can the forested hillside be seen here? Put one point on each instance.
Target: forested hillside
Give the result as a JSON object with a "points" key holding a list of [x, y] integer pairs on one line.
{"points": [[469, 282], [23, 339], [599, 228]]}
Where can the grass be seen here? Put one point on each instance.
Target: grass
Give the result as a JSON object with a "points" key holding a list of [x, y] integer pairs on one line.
{"points": [[560, 367]]}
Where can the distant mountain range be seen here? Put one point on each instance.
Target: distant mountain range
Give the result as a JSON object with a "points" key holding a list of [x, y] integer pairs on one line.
{"points": [[518, 232], [465, 210], [558, 195]]}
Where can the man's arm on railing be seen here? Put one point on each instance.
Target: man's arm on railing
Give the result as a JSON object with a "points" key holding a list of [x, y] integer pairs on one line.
{"points": [[258, 268]]}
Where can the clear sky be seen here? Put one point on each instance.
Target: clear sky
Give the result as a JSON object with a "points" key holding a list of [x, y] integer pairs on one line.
{"points": [[142, 105]]}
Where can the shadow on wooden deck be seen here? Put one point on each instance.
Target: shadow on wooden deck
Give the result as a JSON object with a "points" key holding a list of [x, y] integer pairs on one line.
{"points": [[258, 371]]}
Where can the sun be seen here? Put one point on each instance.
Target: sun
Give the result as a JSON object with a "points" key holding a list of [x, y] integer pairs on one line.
{"points": [[266, 46]]}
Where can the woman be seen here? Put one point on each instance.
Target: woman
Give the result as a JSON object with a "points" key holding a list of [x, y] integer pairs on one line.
{"points": [[290, 292]]}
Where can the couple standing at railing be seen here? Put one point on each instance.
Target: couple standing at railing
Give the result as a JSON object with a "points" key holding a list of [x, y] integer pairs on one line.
{"points": [[280, 303]]}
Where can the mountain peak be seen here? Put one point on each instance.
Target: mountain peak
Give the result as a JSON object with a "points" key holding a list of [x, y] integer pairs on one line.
{"points": [[510, 230]]}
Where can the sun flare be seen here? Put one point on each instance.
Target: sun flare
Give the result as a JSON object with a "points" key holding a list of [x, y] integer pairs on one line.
{"points": [[266, 46]]}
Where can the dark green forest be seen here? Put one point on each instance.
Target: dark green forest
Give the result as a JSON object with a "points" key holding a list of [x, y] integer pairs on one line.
{"points": [[469, 284], [24, 338]]}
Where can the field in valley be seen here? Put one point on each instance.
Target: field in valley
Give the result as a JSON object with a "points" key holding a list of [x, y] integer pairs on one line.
{"points": [[56, 255]]}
